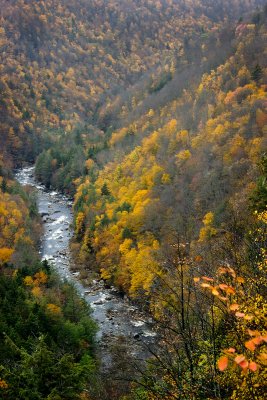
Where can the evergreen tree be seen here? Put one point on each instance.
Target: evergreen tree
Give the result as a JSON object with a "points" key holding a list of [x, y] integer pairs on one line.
{"points": [[105, 190], [257, 73]]}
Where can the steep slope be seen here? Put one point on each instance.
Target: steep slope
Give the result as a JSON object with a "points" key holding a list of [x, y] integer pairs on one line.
{"points": [[152, 115], [61, 60], [196, 155]]}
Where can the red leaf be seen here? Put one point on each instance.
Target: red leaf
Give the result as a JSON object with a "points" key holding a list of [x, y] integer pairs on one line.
{"points": [[253, 366], [230, 290], [240, 359], [223, 363], [250, 345], [243, 364], [223, 286], [227, 289], [257, 340]]}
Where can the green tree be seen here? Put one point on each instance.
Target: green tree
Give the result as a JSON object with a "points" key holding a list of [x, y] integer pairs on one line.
{"points": [[105, 190], [256, 74]]}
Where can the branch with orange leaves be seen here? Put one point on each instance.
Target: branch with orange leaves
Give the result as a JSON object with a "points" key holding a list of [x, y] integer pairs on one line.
{"points": [[249, 309]]}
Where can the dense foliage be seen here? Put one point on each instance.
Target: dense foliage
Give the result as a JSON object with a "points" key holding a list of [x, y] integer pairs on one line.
{"points": [[19, 223], [46, 332], [62, 64], [47, 336], [188, 160], [206, 317], [152, 116]]}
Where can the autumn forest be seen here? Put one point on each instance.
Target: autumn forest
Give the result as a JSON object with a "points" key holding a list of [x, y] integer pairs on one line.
{"points": [[150, 117]]}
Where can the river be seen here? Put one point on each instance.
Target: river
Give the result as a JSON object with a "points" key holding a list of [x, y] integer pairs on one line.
{"points": [[119, 321]]}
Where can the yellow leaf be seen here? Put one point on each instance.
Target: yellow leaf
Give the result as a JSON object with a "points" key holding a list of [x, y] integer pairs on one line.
{"points": [[184, 155], [208, 219], [28, 281], [205, 285], [53, 308], [40, 277], [36, 291], [215, 292], [262, 357], [3, 384], [5, 255], [234, 307], [253, 333]]}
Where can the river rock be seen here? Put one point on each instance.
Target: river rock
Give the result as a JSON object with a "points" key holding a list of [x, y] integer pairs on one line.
{"points": [[136, 336], [98, 302]]}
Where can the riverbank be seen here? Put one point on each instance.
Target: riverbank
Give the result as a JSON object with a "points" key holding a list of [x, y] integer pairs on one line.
{"points": [[119, 321]]}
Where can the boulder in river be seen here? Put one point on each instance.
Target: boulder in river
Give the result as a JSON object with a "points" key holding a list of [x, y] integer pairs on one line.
{"points": [[98, 302], [136, 336]]}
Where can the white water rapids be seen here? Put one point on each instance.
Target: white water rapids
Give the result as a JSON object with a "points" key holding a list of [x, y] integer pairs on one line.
{"points": [[116, 317]]}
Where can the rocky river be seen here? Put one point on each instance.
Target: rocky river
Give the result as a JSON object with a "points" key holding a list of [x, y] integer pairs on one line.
{"points": [[119, 321]]}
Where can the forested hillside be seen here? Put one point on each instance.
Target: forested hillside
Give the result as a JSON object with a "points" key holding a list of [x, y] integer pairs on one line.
{"points": [[60, 62], [152, 117], [47, 335], [194, 156]]}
